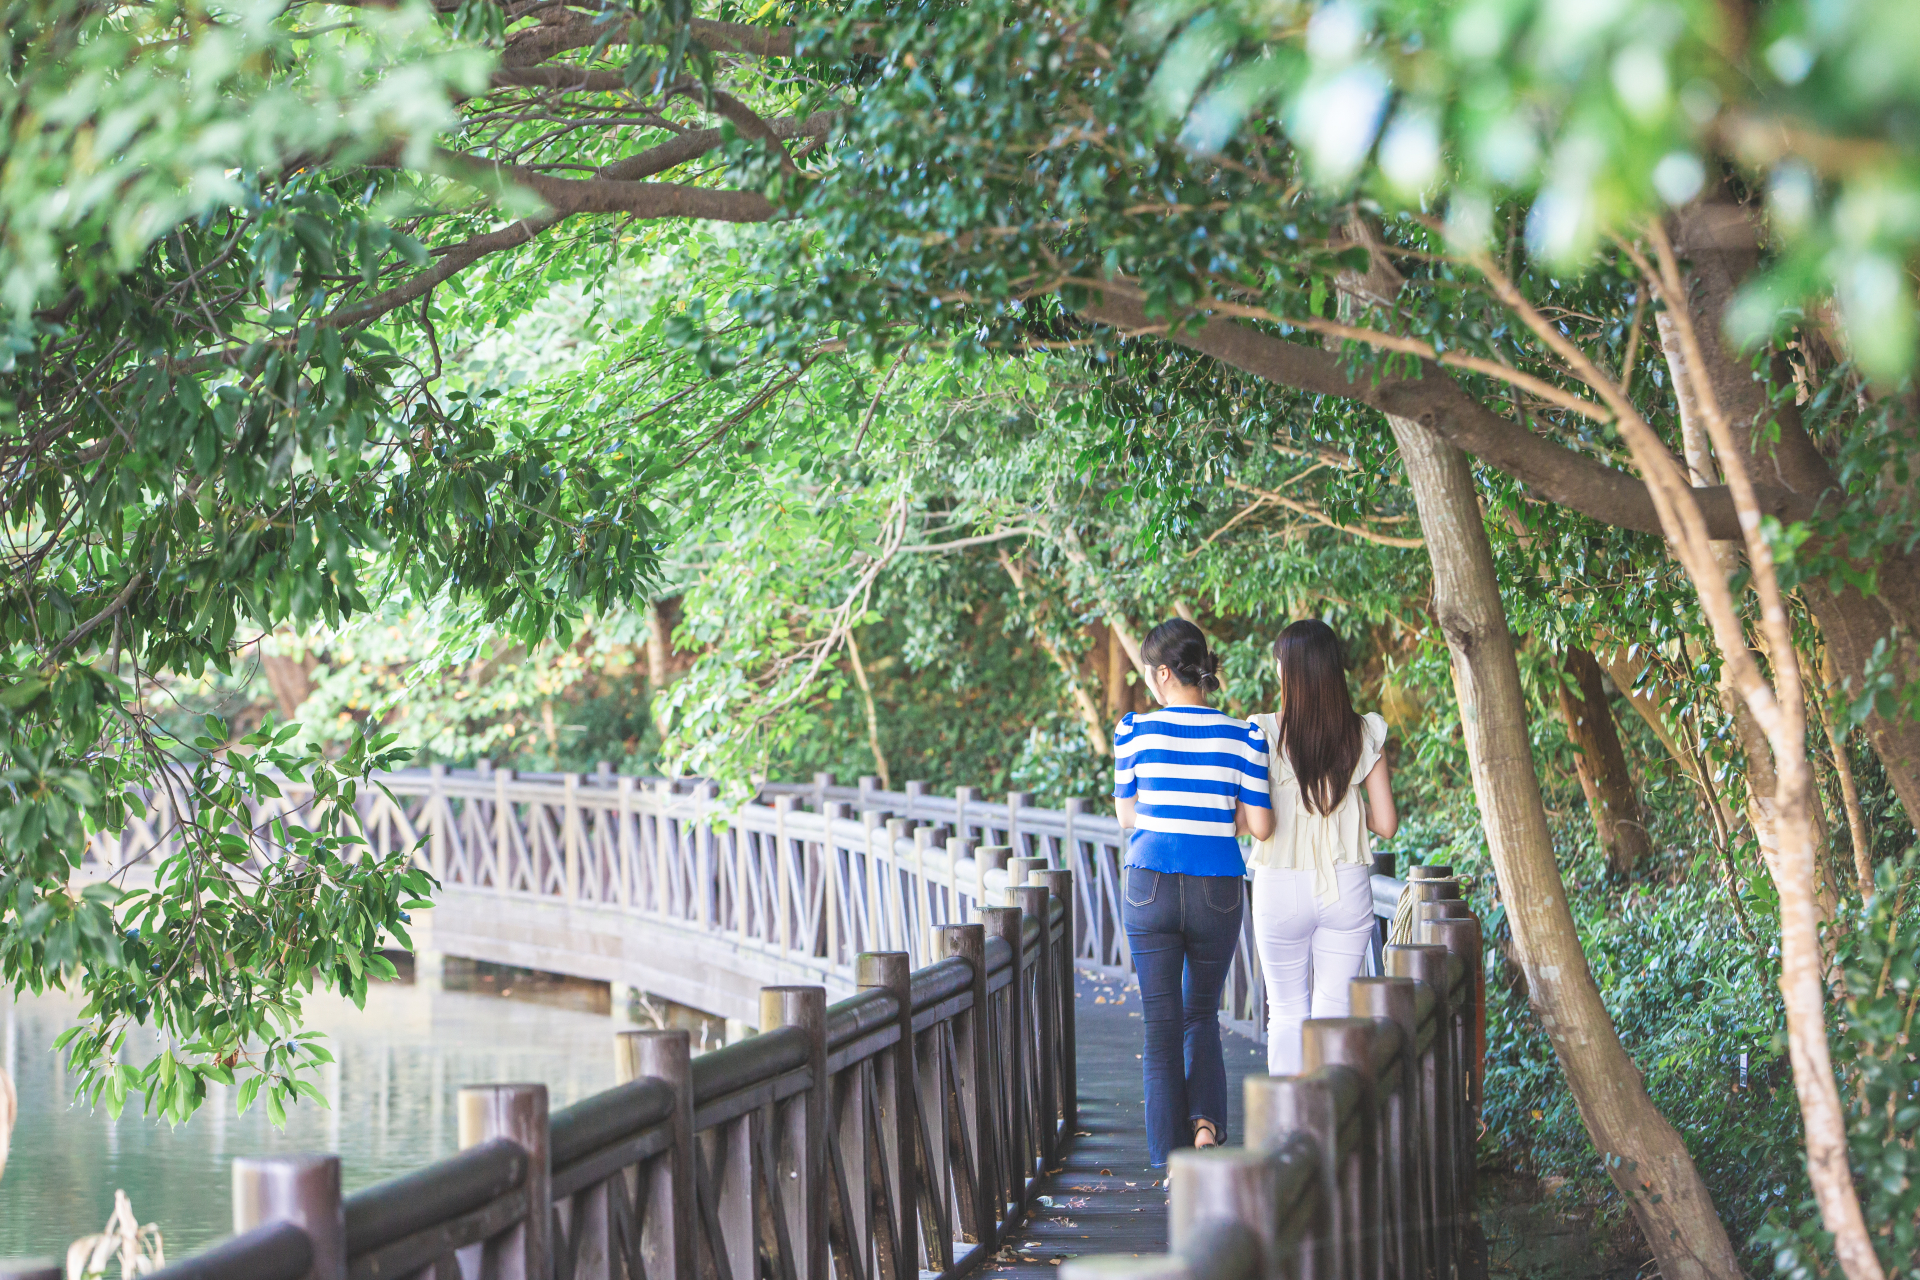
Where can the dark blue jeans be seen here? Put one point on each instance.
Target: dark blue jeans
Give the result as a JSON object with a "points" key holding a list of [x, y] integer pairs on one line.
{"points": [[1181, 930]]}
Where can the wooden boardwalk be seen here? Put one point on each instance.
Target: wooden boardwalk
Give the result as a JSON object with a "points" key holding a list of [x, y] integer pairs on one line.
{"points": [[1102, 1198]]}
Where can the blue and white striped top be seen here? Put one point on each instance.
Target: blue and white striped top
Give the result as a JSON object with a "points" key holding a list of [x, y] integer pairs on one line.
{"points": [[1188, 769]]}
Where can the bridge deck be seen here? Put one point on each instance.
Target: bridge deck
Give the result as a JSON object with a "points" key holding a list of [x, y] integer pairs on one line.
{"points": [[1104, 1198]]}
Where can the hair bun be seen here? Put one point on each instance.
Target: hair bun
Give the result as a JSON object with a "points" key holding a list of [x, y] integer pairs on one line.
{"points": [[1182, 648]]}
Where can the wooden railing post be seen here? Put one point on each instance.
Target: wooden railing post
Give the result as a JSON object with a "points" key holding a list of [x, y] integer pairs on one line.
{"points": [[1036, 902], [1016, 801], [899, 905], [806, 1008], [1009, 1050], [1221, 1211], [1021, 872], [517, 1112], [437, 812], [821, 781], [303, 1190], [892, 971], [1060, 885], [624, 844], [1393, 1003], [1284, 1110], [503, 830], [668, 1210], [1070, 811], [925, 840], [572, 834], [706, 868], [1427, 965], [1347, 1043], [987, 857], [782, 933], [1461, 938], [973, 1088], [964, 798]]}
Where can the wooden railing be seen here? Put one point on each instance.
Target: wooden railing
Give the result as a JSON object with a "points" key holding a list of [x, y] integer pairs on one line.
{"points": [[1362, 1168], [809, 875], [891, 1134], [898, 1130]]}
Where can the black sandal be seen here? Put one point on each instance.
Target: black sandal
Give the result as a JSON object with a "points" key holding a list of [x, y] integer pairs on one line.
{"points": [[1207, 1128]]}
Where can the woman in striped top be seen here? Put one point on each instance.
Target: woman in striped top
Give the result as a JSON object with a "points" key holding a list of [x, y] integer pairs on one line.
{"points": [[1187, 781]]}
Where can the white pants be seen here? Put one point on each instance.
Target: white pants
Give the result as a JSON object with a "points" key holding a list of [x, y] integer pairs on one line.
{"points": [[1292, 928]]}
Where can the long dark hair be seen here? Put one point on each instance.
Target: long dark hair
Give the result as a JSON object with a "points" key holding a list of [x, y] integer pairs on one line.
{"points": [[1179, 645], [1318, 728]]}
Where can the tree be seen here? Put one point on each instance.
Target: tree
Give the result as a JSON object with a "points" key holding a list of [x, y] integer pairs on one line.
{"points": [[188, 457], [1611, 795]]}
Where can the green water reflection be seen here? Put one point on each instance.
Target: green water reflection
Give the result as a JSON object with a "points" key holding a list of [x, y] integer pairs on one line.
{"points": [[400, 1063]]}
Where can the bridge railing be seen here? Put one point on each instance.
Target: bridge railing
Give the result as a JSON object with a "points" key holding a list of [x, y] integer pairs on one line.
{"points": [[807, 875], [1362, 1167], [891, 1134]]}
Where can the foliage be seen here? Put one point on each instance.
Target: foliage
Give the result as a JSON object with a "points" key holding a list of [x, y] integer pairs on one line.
{"points": [[276, 460], [1878, 962]]}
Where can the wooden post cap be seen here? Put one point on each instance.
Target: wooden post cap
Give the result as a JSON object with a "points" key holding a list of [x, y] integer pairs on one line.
{"points": [[303, 1190]]}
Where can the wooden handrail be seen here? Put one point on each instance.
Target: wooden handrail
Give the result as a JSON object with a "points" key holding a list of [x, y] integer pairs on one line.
{"points": [[1360, 1168], [911, 1149], [810, 888]]}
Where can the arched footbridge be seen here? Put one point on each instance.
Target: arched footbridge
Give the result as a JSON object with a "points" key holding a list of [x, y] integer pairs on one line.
{"points": [[945, 1079]]}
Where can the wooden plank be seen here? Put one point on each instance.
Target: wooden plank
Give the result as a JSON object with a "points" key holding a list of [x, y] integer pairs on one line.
{"points": [[1100, 1196]]}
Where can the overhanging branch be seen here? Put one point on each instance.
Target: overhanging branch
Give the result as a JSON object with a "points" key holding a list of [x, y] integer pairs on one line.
{"points": [[1443, 406]]}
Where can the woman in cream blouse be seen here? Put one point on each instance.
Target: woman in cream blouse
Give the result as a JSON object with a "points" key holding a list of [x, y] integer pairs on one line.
{"points": [[1312, 878]]}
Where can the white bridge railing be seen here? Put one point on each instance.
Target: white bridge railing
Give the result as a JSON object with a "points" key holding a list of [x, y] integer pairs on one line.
{"points": [[809, 874]]}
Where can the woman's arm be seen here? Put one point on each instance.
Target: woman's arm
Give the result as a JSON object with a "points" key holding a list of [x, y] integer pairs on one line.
{"points": [[1251, 821], [1123, 810], [1381, 818]]}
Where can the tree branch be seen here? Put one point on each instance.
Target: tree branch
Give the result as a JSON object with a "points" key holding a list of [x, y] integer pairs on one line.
{"points": [[1440, 404], [451, 263], [1321, 517], [81, 632], [560, 77], [980, 540]]}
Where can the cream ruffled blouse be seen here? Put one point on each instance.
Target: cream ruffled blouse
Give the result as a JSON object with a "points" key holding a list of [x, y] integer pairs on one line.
{"points": [[1317, 842]]}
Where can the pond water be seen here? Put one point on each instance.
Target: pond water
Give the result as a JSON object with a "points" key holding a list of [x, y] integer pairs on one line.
{"points": [[399, 1064]]}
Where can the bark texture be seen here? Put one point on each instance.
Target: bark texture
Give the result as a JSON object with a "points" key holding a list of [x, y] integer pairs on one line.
{"points": [[1644, 1155], [873, 715], [1602, 764], [1720, 244], [291, 680], [659, 647]]}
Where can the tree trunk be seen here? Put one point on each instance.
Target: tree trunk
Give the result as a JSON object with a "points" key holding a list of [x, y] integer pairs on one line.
{"points": [[1849, 790], [659, 645], [291, 680], [1119, 698], [1679, 738], [1742, 400], [873, 716], [1643, 1153], [1720, 244], [1611, 796], [1851, 627]]}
